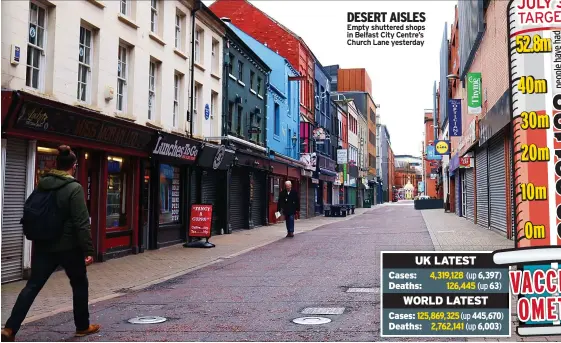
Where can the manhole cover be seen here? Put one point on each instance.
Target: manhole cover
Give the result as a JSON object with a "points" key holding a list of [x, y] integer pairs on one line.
{"points": [[147, 320], [312, 320], [323, 310], [364, 290]]}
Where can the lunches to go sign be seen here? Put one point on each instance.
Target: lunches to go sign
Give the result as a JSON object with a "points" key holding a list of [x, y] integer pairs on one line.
{"points": [[201, 221], [177, 147]]}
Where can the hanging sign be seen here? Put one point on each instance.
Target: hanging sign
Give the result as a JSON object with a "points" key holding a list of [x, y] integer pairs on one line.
{"points": [[534, 105], [342, 156], [431, 154], [474, 93], [442, 147], [201, 221], [455, 114]]}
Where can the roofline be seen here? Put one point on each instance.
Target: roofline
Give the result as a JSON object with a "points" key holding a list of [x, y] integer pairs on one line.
{"points": [[249, 50], [266, 47]]}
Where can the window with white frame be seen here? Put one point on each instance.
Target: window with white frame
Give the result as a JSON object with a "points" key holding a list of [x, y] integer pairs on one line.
{"points": [[84, 65], [176, 97], [154, 16], [214, 50], [122, 72], [178, 19], [37, 39], [198, 40], [152, 91], [125, 7]]}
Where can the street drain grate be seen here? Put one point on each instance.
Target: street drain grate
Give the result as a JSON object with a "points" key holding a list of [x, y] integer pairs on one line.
{"points": [[323, 310], [364, 290], [147, 320], [311, 320]]}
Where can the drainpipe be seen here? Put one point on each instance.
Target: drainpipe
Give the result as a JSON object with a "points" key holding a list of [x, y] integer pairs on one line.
{"points": [[198, 5]]}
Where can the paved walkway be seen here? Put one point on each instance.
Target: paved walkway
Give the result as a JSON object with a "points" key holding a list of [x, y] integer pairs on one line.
{"points": [[450, 232], [120, 276]]}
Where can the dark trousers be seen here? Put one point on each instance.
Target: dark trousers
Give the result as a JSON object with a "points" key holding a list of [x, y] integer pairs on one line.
{"points": [[43, 264], [290, 223]]}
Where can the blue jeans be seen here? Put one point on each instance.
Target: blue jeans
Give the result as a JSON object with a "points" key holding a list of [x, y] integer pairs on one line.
{"points": [[290, 224]]}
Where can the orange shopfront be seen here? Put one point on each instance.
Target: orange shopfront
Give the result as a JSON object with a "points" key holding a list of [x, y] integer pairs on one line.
{"points": [[109, 151]]}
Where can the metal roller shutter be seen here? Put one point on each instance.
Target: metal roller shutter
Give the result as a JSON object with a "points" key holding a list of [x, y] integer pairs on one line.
{"points": [[481, 176], [303, 196], [497, 183], [209, 195], [352, 196], [458, 193], [238, 204], [470, 194], [193, 189], [311, 199], [512, 202], [258, 199], [14, 199]]}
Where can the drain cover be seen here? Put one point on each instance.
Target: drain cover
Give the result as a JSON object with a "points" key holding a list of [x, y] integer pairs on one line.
{"points": [[312, 320], [323, 310], [364, 290], [147, 320]]}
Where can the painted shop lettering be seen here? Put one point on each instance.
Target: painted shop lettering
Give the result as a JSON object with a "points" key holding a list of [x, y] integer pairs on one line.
{"points": [[187, 152]]}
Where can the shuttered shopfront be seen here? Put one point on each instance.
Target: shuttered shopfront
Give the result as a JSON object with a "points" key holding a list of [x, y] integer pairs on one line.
{"points": [[469, 197], [209, 196], [481, 176], [258, 198], [497, 183], [304, 197], [239, 196], [312, 196], [458, 195], [14, 198]]}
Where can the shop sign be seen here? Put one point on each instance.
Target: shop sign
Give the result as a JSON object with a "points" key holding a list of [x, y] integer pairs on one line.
{"points": [[315, 181], [431, 154], [497, 118], [421, 186], [215, 156], [43, 118], [442, 147], [177, 147], [455, 113], [353, 171], [342, 156], [201, 221], [469, 138], [309, 160], [319, 134], [474, 93], [466, 162], [326, 163]]}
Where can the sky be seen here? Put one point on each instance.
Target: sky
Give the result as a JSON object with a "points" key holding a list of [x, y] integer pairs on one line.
{"points": [[402, 77]]}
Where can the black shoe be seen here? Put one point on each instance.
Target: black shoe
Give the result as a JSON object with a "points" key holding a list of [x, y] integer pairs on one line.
{"points": [[290, 234]]}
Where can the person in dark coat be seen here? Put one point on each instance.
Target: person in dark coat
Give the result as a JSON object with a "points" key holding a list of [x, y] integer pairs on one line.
{"points": [[70, 250], [289, 205]]}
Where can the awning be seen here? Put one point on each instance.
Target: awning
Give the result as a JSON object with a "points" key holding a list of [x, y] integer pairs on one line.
{"points": [[327, 172], [215, 157]]}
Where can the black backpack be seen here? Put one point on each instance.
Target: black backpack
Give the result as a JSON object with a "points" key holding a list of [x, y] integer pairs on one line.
{"points": [[43, 220]]}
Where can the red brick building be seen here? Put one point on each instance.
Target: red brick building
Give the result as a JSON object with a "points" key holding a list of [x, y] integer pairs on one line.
{"points": [[278, 38], [429, 165]]}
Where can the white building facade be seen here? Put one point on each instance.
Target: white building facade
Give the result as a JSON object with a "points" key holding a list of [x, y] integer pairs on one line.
{"points": [[105, 77]]}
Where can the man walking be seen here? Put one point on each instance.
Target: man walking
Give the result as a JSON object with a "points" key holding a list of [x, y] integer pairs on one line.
{"points": [[56, 219], [289, 204]]}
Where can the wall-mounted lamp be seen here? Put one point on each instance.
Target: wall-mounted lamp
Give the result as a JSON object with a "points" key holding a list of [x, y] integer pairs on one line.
{"points": [[294, 139]]}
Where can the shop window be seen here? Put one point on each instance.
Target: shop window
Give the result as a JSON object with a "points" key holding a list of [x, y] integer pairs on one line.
{"points": [[116, 216], [45, 161], [170, 190], [276, 189]]}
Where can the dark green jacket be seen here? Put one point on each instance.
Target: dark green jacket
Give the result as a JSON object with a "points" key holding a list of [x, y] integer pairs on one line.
{"points": [[72, 204]]}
